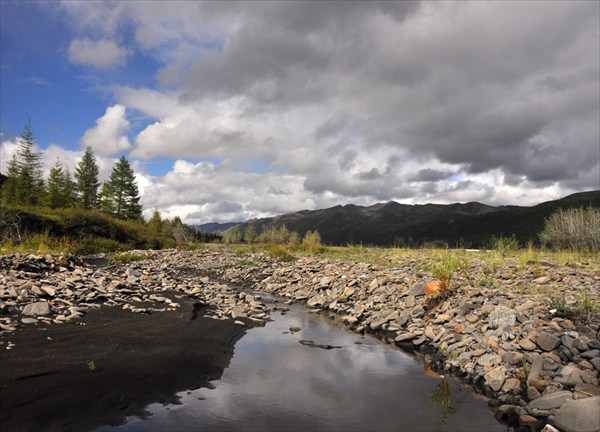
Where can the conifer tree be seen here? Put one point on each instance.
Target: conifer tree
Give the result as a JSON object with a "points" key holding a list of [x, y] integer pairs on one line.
{"points": [[29, 185], [9, 187], [86, 180], [119, 195], [155, 223], [60, 187]]}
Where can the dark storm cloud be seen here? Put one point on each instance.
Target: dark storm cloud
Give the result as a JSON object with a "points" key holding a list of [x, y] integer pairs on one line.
{"points": [[481, 85]]}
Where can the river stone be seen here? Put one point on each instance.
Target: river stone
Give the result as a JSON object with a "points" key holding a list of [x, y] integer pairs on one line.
{"points": [[549, 428], [38, 308], [533, 393], [550, 365], [547, 341], [50, 291], [495, 378], [536, 368], [405, 337], [552, 400], [530, 422], [512, 358], [29, 320], [590, 354], [596, 363], [510, 384], [581, 415], [570, 375], [527, 345], [488, 359], [502, 317]]}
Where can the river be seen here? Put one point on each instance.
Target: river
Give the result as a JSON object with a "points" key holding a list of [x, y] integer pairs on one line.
{"points": [[319, 378]]}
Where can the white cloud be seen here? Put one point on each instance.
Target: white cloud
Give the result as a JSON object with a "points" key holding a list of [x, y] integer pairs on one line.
{"points": [[312, 104], [102, 54], [108, 137]]}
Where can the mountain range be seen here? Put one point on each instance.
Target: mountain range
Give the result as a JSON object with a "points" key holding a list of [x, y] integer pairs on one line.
{"points": [[385, 224]]}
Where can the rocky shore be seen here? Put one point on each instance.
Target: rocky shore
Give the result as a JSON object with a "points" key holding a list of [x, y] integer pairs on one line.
{"points": [[505, 340]]}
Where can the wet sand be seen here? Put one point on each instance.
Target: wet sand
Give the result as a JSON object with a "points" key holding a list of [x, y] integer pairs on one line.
{"points": [[47, 382]]}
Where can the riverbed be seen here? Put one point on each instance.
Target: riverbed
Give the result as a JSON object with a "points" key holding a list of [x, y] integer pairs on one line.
{"points": [[319, 376]]}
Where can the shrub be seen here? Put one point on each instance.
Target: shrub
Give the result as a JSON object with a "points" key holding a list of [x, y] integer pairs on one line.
{"points": [[575, 228]]}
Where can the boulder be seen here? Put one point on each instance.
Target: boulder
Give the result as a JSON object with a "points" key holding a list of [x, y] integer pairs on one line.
{"points": [[38, 308], [580, 415], [552, 400]]}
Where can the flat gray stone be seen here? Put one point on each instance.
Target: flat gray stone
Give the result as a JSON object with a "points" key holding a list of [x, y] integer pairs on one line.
{"points": [[552, 400], [581, 415], [38, 308], [502, 317], [547, 341], [570, 375]]}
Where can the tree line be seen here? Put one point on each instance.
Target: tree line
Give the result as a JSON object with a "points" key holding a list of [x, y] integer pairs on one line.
{"points": [[24, 183]]}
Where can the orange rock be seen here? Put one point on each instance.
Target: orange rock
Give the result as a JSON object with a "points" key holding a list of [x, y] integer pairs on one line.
{"points": [[428, 372]]}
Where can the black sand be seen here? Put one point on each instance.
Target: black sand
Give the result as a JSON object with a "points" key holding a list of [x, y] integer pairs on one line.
{"points": [[46, 383]]}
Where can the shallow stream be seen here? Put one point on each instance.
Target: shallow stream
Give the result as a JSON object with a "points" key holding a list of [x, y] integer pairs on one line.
{"points": [[320, 378]]}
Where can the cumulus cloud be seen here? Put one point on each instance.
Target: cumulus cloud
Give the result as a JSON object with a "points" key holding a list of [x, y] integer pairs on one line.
{"points": [[108, 137], [101, 54], [310, 104]]}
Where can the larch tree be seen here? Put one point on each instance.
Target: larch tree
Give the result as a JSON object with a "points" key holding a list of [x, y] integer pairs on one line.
{"points": [[29, 184], [86, 180], [119, 195], [60, 192]]}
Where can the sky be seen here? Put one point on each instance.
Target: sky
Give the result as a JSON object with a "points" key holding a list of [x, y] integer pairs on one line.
{"points": [[235, 110]]}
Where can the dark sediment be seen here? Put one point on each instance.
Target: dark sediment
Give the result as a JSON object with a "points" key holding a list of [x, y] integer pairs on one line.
{"points": [[47, 382]]}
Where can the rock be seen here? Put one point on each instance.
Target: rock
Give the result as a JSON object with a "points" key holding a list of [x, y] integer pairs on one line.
{"points": [[550, 365], [596, 363], [510, 384], [378, 323], [590, 354], [502, 317], [527, 345], [552, 400], [536, 368], [38, 308], [495, 378], [526, 306], [405, 337], [581, 415], [512, 358], [238, 312], [588, 389], [541, 280], [488, 360], [295, 329], [570, 375], [29, 320], [410, 301], [429, 332], [549, 428], [530, 422], [533, 393], [49, 291], [547, 341]]}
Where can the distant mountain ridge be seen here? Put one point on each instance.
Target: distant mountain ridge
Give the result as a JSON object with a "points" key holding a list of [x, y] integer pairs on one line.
{"points": [[384, 224], [215, 227]]}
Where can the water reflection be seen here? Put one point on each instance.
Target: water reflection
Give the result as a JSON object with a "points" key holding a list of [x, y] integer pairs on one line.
{"points": [[276, 383]]}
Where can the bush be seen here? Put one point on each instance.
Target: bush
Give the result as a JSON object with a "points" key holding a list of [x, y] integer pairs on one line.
{"points": [[575, 228]]}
